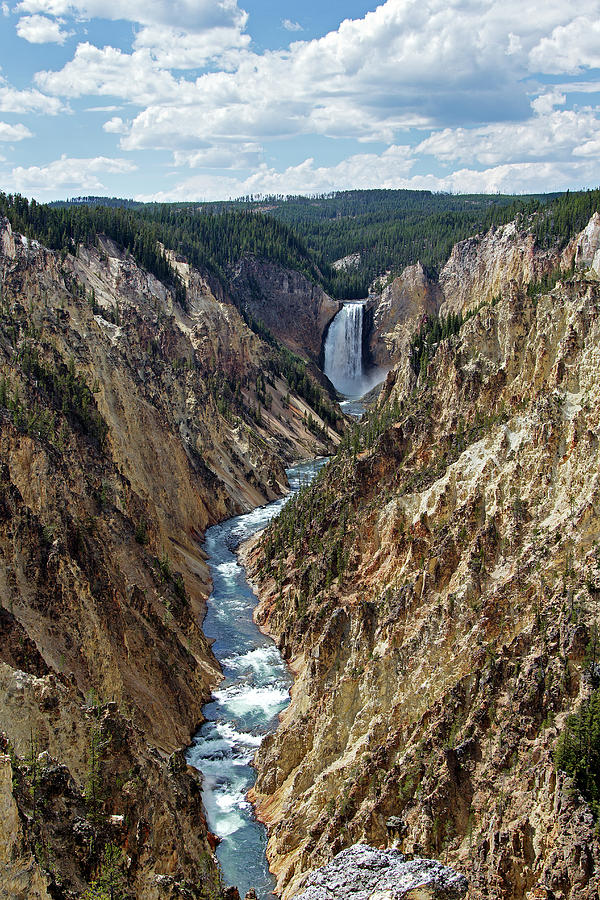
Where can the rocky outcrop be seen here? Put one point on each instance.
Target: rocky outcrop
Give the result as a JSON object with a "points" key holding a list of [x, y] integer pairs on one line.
{"points": [[119, 813], [175, 397], [485, 267], [366, 874], [587, 246], [20, 876], [479, 270], [399, 311], [436, 603], [293, 308], [352, 261]]}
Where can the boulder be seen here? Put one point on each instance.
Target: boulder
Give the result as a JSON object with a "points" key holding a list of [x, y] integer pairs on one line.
{"points": [[368, 874]]}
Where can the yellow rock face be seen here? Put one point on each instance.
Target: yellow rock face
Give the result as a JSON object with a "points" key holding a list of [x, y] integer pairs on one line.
{"points": [[103, 578], [435, 673]]}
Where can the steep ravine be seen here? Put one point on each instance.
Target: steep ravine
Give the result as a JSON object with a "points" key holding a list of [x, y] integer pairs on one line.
{"points": [[435, 594], [128, 426], [254, 690]]}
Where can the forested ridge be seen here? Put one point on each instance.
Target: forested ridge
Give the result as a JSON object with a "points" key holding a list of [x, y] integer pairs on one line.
{"points": [[64, 227], [212, 242], [392, 229], [388, 229]]}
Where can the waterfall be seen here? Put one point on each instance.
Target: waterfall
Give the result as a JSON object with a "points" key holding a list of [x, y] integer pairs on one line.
{"points": [[343, 350]]}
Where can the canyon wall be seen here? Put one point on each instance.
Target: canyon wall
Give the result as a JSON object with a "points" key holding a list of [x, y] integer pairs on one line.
{"points": [[487, 265], [479, 269], [436, 593], [399, 311], [128, 425], [294, 309]]}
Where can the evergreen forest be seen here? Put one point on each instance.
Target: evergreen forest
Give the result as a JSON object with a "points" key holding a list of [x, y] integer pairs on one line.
{"points": [[385, 230]]}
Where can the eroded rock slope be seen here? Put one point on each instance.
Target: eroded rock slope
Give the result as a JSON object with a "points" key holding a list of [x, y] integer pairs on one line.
{"points": [[294, 309], [399, 311], [128, 425], [437, 592], [479, 270]]}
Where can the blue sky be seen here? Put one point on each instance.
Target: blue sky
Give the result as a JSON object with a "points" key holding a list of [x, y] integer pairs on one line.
{"points": [[209, 99]]}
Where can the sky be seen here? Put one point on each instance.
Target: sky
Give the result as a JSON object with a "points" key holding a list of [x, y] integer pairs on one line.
{"points": [[214, 99]]}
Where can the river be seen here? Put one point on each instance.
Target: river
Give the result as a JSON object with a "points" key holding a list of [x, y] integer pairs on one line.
{"points": [[246, 706]]}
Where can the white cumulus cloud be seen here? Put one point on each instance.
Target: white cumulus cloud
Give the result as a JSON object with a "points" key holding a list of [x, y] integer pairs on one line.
{"points": [[517, 178], [42, 30], [553, 134], [545, 103], [116, 125], [407, 64], [589, 148], [571, 47], [390, 169], [68, 172], [176, 48], [226, 156], [26, 101], [13, 132], [108, 71], [290, 25], [359, 171], [189, 14]]}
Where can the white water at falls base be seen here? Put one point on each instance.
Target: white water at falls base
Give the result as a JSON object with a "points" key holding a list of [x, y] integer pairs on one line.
{"points": [[343, 353]]}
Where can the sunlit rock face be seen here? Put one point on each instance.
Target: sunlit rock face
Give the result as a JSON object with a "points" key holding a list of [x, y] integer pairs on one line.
{"points": [[587, 245], [399, 312], [486, 266], [128, 425], [439, 654], [479, 269]]}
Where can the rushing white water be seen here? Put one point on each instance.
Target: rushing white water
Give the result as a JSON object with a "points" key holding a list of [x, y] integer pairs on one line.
{"points": [[246, 706], [344, 353]]}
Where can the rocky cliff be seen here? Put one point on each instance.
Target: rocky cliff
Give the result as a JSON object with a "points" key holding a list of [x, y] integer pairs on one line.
{"points": [[399, 311], [128, 425], [436, 593], [293, 308], [363, 872], [486, 266], [479, 269]]}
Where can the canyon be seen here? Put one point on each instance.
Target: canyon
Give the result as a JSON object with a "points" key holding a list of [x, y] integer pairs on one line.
{"points": [[435, 591]]}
